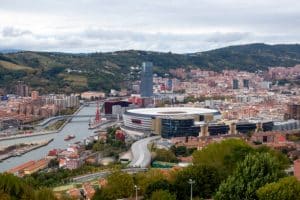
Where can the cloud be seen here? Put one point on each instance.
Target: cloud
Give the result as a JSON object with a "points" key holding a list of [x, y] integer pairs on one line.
{"points": [[98, 39], [14, 32], [177, 26]]}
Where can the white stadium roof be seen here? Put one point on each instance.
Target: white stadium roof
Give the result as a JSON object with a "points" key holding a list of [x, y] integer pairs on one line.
{"points": [[172, 111]]}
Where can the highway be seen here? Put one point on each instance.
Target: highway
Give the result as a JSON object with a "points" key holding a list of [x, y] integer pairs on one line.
{"points": [[140, 152]]}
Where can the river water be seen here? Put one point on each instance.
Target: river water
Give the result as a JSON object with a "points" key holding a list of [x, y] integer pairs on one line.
{"points": [[77, 126]]}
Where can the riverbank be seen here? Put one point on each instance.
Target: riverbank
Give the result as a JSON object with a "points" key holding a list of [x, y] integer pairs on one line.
{"points": [[27, 135], [19, 152], [41, 132], [78, 126]]}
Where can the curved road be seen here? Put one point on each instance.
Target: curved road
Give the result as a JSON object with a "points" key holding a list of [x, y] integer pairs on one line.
{"points": [[140, 152]]}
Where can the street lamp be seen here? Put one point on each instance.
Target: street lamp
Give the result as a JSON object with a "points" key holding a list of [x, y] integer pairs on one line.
{"points": [[136, 191], [191, 182]]}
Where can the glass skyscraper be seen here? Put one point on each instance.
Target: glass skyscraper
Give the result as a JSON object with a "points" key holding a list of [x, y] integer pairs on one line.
{"points": [[147, 79]]}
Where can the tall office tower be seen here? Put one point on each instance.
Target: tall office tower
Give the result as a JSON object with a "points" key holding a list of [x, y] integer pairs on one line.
{"points": [[235, 84], [22, 89], [246, 83], [169, 84], [146, 88]]}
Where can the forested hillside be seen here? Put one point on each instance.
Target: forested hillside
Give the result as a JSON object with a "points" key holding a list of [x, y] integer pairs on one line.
{"points": [[49, 72]]}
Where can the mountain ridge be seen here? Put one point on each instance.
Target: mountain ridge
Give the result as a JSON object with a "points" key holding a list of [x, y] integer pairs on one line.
{"points": [[102, 71]]}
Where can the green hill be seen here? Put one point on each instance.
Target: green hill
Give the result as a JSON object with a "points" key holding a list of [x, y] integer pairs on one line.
{"points": [[47, 71]]}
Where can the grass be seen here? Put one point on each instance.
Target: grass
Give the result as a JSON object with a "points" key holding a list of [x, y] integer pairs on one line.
{"points": [[77, 80], [12, 66], [63, 188], [56, 125]]}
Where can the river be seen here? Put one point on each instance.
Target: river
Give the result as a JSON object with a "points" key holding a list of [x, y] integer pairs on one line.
{"points": [[77, 126]]}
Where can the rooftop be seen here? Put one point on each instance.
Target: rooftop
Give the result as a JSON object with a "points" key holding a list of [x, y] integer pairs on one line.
{"points": [[172, 111]]}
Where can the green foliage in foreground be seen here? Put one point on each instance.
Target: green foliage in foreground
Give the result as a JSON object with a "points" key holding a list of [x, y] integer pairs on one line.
{"points": [[14, 188], [224, 155], [252, 169], [119, 185], [228, 153], [61, 176], [155, 186], [206, 178], [287, 188], [254, 172], [231, 169], [162, 195], [150, 179]]}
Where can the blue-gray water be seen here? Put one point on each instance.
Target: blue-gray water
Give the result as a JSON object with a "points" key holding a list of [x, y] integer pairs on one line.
{"points": [[78, 127]]}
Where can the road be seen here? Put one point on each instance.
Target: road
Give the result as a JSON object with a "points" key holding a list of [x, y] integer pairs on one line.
{"points": [[140, 152], [89, 177]]}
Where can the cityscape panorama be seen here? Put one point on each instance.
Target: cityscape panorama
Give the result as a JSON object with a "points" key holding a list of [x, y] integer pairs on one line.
{"points": [[149, 100]]}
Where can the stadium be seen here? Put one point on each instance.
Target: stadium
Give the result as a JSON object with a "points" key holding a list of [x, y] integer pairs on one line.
{"points": [[188, 121], [169, 121]]}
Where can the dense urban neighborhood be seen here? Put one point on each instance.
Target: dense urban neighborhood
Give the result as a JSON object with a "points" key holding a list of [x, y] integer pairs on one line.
{"points": [[189, 132], [149, 100]]}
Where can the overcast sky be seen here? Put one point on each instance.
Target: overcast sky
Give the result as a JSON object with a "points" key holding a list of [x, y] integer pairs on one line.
{"points": [[159, 25]]}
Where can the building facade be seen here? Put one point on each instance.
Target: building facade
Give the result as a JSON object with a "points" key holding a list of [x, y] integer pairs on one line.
{"points": [[146, 88], [235, 84], [293, 111], [22, 89]]}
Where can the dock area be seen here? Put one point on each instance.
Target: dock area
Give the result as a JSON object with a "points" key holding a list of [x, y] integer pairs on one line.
{"points": [[20, 149]]}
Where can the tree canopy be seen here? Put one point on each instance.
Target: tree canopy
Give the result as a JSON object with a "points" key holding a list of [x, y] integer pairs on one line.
{"points": [[14, 188], [224, 155], [287, 188], [207, 179], [162, 195], [165, 155], [254, 172], [119, 185]]}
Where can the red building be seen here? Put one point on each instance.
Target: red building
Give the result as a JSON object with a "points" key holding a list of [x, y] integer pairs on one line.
{"points": [[120, 135]]}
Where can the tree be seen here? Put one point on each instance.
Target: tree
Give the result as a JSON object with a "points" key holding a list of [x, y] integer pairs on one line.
{"points": [[158, 185], [180, 151], [15, 187], [4, 196], [287, 188], [101, 195], [281, 158], [224, 155], [207, 179], [162, 195], [165, 155], [99, 146], [45, 194], [143, 180], [255, 171], [12, 187], [119, 185]]}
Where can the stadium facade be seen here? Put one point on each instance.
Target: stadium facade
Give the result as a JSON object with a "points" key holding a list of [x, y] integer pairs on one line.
{"points": [[169, 121], [188, 121]]}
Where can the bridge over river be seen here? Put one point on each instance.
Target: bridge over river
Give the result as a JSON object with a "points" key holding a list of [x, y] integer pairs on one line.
{"points": [[80, 130]]}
